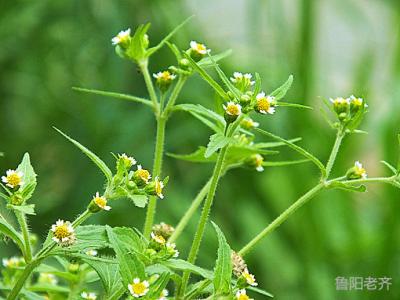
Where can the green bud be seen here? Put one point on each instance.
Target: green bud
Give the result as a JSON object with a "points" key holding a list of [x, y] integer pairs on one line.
{"points": [[184, 64], [16, 199], [73, 268]]}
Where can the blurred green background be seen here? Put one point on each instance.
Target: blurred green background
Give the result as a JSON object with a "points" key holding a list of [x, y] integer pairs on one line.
{"points": [[333, 48]]}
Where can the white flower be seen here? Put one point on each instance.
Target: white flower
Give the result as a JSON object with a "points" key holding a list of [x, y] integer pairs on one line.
{"points": [[143, 174], [63, 233], [258, 162], [159, 185], [158, 238], [122, 37], [199, 48], [90, 296], [164, 76], [163, 295], [265, 104], [250, 279], [48, 278], [359, 170], [129, 160], [101, 201], [356, 101], [171, 248], [240, 78], [13, 262], [241, 295], [232, 108], [13, 178], [91, 252], [138, 288]]}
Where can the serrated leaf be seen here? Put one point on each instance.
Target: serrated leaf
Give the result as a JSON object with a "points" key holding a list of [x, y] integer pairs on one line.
{"points": [[28, 178], [124, 241], [300, 150], [197, 156], [93, 157], [138, 200], [183, 265], [217, 141], [115, 95], [393, 169], [223, 265], [281, 91], [26, 209]]}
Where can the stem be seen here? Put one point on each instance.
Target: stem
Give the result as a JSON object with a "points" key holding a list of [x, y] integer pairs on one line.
{"points": [[204, 216], [158, 156], [338, 141], [25, 234], [143, 65], [81, 218], [174, 95], [390, 180], [281, 218], [21, 280], [190, 212]]}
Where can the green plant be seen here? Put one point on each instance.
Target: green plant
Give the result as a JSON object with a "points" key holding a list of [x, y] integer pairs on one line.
{"points": [[130, 263]]}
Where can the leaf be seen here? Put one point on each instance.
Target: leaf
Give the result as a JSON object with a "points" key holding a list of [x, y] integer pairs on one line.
{"points": [[208, 61], [207, 77], [110, 278], [115, 95], [138, 200], [398, 163], [159, 285], [26, 209], [197, 156], [356, 119], [217, 141], [49, 288], [4, 196], [393, 169], [284, 163], [300, 150], [260, 291], [93, 157], [281, 91], [164, 40], [348, 187], [8, 230], [183, 265], [124, 241], [28, 178], [276, 144], [293, 105], [137, 48], [223, 265]]}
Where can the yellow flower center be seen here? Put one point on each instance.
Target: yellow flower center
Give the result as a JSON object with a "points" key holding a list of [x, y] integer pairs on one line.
{"points": [[100, 201], [263, 104], [357, 101], [14, 179], [165, 75], [243, 297], [201, 48], [159, 239], [123, 37], [62, 232], [159, 187], [138, 288], [233, 110], [259, 160], [249, 278], [144, 174]]}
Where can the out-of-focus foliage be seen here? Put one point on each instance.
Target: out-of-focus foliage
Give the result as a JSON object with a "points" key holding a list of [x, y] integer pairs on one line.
{"points": [[331, 47]]}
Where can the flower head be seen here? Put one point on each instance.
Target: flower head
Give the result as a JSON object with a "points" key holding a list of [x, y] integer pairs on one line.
{"points": [[163, 229], [138, 288], [242, 81], [197, 51], [13, 262], [341, 106], [233, 109], [356, 104], [63, 233], [256, 161], [249, 124], [159, 185], [128, 161], [238, 264], [47, 278], [171, 249], [122, 38], [265, 104], [13, 178], [164, 80], [163, 295], [250, 279], [158, 238], [100, 202], [241, 295], [90, 296], [359, 170], [141, 176]]}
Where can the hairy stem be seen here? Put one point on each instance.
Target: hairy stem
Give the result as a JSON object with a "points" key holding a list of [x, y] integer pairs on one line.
{"points": [[335, 149], [190, 212], [281, 218], [25, 234], [23, 278]]}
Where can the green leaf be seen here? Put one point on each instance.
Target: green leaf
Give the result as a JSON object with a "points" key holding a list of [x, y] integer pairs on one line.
{"points": [[115, 95], [26, 209], [183, 265], [276, 144], [4, 196], [217, 141], [348, 187], [223, 265], [293, 105], [28, 178], [209, 61], [197, 156], [164, 40], [207, 77], [93, 157], [260, 291], [398, 163], [284, 163], [48, 288], [300, 150], [8, 230], [138, 200], [393, 169], [124, 241], [356, 119], [158, 286], [281, 91], [137, 48]]}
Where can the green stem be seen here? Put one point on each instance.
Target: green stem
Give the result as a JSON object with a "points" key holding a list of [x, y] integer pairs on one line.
{"points": [[174, 95], [24, 277], [390, 180], [190, 212], [25, 234], [281, 218], [334, 152], [143, 65]]}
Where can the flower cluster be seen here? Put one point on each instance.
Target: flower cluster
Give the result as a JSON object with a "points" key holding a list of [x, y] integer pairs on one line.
{"points": [[160, 249], [348, 109]]}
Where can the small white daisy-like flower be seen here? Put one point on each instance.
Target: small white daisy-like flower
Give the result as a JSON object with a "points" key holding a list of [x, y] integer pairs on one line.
{"points": [[138, 288], [359, 170], [340, 101], [158, 238], [199, 48], [159, 185], [232, 108], [258, 162], [250, 279], [122, 37], [90, 296], [249, 123], [13, 178], [164, 76], [143, 174], [164, 294], [171, 248], [128, 160], [265, 104], [91, 252], [63, 233], [13, 262], [101, 201], [47, 278], [242, 295], [242, 79]]}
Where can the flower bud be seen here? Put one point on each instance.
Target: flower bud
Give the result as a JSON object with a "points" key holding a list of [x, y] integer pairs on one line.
{"points": [[356, 172], [341, 107], [155, 188], [197, 51], [245, 100], [184, 64], [141, 176], [249, 124], [164, 80], [122, 39], [16, 199], [256, 161], [163, 229], [242, 81], [73, 268]]}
